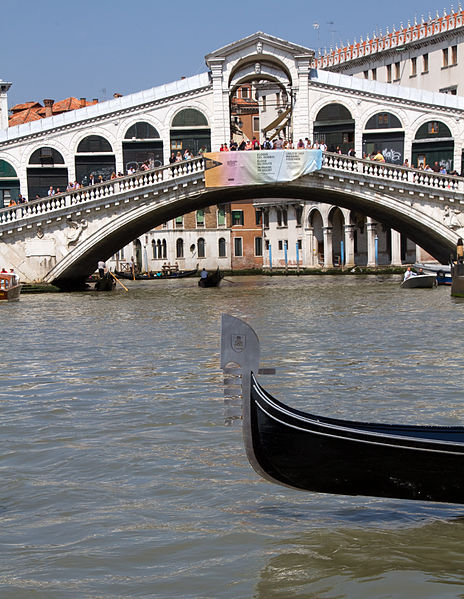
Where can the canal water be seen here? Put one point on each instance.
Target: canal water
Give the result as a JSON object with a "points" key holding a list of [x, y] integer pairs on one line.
{"points": [[119, 478]]}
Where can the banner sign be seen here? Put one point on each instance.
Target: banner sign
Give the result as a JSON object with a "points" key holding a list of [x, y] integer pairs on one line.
{"points": [[257, 167]]}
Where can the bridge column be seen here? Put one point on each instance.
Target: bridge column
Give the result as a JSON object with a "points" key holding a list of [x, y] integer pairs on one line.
{"points": [[349, 245], [395, 248], [310, 252], [220, 131], [301, 107], [328, 251], [371, 233]]}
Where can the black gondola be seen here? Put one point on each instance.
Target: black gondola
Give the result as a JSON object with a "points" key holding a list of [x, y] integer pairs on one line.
{"points": [[212, 280], [155, 276], [105, 283], [328, 455]]}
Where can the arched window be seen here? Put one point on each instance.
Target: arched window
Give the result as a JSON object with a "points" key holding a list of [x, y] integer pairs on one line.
{"points": [[153, 249], [164, 248], [334, 112], [201, 247], [180, 248], [383, 120], [6, 170], [222, 247], [159, 254], [46, 156], [142, 130], [189, 117], [433, 129], [200, 218], [94, 144]]}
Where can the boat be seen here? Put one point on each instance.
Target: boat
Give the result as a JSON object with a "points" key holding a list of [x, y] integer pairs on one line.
{"points": [[420, 281], [212, 280], [155, 276], [10, 288], [441, 271], [105, 283], [322, 454]]}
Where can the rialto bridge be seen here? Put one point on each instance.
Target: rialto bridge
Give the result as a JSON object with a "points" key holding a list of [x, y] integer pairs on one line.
{"points": [[260, 85], [60, 239]]}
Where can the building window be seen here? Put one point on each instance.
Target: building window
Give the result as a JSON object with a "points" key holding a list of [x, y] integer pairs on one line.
{"points": [[413, 67], [299, 244], [258, 217], [389, 73], [298, 215], [454, 55], [445, 57], [238, 246], [285, 217], [425, 63], [433, 128], [279, 217], [165, 249], [397, 71], [201, 247], [237, 218], [221, 217], [382, 119], [258, 246], [267, 244], [374, 74], [263, 105], [244, 92], [222, 247], [256, 124], [200, 218], [280, 245], [366, 74], [266, 219], [180, 248], [179, 222]]}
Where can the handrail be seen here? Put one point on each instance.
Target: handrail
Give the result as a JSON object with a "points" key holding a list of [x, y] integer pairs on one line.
{"points": [[101, 190], [339, 162]]}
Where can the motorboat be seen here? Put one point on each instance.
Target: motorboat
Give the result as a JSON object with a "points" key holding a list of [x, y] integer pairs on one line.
{"points": [[419, 281], [10, 288], [322, 454], [442, 271]]}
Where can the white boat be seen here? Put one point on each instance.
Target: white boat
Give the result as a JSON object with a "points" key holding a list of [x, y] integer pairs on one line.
{"points": [[441, 271], [420, 281]]}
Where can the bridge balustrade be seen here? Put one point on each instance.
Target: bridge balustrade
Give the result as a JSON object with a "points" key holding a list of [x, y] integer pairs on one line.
{"points": [[101, 191], [145, 179], [392, 172]]}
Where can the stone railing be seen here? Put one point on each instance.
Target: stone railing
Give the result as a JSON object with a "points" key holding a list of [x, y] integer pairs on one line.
{"points": [[339, 162], [392, 172], [101, 191]]}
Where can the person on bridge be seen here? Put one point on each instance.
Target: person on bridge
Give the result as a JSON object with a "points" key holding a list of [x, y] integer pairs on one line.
{"points": [[378, 157]]}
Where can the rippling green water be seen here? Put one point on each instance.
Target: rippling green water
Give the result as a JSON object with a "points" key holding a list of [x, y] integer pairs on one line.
{"points": [[119, 478]]}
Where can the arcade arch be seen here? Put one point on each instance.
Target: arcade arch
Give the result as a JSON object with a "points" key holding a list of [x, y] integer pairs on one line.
{"points": [[94, 156], [43, 172], [9, 183], [190, 131], [433, 142], [334, 125], [384, 132], [142, 143]]}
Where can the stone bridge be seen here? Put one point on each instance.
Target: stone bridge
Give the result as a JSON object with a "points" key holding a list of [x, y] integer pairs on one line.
{"points": [[60, 239]]}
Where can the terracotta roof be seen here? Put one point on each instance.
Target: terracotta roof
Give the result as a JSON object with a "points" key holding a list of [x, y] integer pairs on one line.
{"points": [[25, 106], [24, 116], [33, 111]]}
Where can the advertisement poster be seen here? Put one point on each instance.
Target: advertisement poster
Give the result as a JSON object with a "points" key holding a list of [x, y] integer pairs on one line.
{"points": [[257, 167]]}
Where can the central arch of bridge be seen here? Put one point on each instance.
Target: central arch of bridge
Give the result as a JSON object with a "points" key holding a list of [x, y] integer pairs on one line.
{"points": [[383, 206]]}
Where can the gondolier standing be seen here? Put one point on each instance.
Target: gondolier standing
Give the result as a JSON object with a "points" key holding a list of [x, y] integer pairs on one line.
{"points": [[204, 274], [101, 268]]}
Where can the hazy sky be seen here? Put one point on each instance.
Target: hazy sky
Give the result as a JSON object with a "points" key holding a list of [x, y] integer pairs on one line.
{"points": [[93, 48]]}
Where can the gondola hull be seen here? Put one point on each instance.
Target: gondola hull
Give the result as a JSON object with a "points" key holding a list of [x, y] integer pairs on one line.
{"points": [[155, 276], [335, 456], [212, 280], [326, 455]]}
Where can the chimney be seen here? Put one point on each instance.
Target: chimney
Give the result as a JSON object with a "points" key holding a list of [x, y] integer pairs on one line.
{"points": [[116, 95], [83, 103], [95, 101], [48, 107]]}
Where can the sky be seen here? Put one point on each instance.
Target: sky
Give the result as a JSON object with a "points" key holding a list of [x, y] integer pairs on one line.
{"points": [[94, 48]]}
